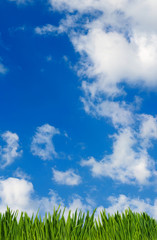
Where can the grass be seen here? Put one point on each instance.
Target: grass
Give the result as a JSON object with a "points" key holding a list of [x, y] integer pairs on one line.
{"points": [[125, 226]]}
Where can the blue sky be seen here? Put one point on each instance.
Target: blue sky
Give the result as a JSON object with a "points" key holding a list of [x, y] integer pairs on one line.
{"points": [[78, 95]]}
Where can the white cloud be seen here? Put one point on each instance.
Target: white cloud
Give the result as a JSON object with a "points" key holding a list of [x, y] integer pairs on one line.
{"points": [[135, 11], [42, 145], [11, 151], [15, 192], [110, 59], [66, 178], [128, 163]]}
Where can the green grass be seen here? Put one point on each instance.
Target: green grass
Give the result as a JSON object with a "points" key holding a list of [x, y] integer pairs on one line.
{"points": [[125, 226]]}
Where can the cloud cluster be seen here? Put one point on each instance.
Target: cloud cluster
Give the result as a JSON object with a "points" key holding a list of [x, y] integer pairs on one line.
{"points": [[42, 145], [18, 195], [117, 48]]}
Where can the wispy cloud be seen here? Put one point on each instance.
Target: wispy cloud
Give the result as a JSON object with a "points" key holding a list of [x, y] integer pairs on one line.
{"points": [[20, 174], [66, 178], [46, 29], [3, 69], [65, 24], [42, 145], [10, 151]]}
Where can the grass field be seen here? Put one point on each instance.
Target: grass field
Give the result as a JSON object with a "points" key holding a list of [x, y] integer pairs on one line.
{"points": [[125, 226]]}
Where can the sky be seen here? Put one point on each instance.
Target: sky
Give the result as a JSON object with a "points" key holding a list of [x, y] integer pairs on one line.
{"points": [[78, 118]]}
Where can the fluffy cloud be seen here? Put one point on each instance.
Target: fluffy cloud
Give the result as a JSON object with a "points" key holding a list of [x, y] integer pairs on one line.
{"points": [[66, 178], [129, 163], [111, 59], [10, 151], [15, 192], [42, 145]]}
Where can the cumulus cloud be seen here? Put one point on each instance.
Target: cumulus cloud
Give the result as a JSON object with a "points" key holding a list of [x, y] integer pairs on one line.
{"points": [[111, 59], [66, 178], [42, 145], [129, 163], [10, 151]]}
